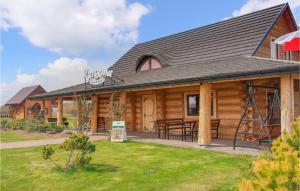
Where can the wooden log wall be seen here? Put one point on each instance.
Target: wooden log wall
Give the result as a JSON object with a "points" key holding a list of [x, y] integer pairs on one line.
{"points": [[103, 105], [230, 99]]}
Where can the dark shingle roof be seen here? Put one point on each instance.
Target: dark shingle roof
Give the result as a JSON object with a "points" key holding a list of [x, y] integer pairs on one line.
{"points": [[68, 90], [233, 37], [19, 97], [218, 51], [218, 69]]}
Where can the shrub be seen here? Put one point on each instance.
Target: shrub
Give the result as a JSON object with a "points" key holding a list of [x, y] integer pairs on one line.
{"points": [[43, 127], [4, 122], [79, 149], [59, 129], [30, 125], [16, 124], [29, 128], [280, 170]]}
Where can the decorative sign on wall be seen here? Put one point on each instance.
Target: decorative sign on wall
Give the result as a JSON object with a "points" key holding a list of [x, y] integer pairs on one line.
{"points": [[118, 131], [96, 77]]}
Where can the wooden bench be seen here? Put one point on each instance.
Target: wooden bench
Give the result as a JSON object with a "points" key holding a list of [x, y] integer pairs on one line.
{"points": [[161, 125], [193, 131], [274, 130], [214, 126], [174, 125]]}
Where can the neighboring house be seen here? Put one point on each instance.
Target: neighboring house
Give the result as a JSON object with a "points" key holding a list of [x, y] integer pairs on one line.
{"points": [[21, 108], [201, 74], [4, 111]]}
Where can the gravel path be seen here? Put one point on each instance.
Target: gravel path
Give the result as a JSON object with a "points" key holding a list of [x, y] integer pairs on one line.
{"points": [[34, 143], [139, 138]]}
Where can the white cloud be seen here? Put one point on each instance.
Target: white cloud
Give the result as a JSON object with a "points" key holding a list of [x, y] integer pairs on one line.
{"points": [[73, 26], [255, 5], [61, 73]]}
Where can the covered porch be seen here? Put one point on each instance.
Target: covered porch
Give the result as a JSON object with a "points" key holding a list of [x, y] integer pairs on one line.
{"points": [[202, 103], [195, 102]]}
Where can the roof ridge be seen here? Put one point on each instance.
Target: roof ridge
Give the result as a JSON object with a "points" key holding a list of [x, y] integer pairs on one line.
{"points": [[30, 86], [197, 28]]}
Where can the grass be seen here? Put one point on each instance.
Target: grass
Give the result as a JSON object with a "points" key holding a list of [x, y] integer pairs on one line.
{"points": [[6, 137], [126, 166]]}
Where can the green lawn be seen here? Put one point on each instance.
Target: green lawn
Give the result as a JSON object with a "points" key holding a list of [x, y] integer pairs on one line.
{"points": [[6, 137], [126, 166]]}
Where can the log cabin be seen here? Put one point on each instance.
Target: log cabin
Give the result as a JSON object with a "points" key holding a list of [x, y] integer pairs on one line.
{"points": [[22, 108], [201, 74]]}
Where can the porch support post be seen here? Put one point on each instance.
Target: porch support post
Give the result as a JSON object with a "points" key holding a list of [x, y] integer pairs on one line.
{"points": [[133, 111], [43, 109], [94, 113], [78, 104], [59, 113], [204, 134], [287, 102], [43, 104], [123, 98]]}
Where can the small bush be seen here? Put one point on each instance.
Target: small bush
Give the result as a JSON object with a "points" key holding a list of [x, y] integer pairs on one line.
{"points": [[4, 122], [79, 149], [15, 124], [59, 129], [30, 125], [29, 128], [43, 127]]}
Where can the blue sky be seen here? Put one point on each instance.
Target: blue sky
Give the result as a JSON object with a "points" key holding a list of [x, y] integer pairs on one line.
{"points": [[31, 54]]}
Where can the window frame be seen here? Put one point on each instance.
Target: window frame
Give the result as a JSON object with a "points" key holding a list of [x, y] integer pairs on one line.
{"points": [[273, 48], [29, 111], [17, 110], [213, 104], [186, 105], [144, 60]]}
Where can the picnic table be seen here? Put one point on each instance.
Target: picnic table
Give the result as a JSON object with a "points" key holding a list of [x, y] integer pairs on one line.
{"points": [[187, 128]]}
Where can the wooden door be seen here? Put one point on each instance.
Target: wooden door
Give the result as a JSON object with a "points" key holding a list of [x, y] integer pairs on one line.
{"points": [[148, 113]]}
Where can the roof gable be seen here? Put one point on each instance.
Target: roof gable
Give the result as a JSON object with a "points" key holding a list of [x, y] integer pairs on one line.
{"points": [[233, 37], [20, 97], [290, 26]]}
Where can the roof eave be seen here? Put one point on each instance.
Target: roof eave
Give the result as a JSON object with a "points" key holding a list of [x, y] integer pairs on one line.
{"points": [[210, 78]]}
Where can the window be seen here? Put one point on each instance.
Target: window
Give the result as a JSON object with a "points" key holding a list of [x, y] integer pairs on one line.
{"points": [[193, 101], [148, 63], [192, 105], [288, 55], [212, 104], [29, 111], [274, 49]]}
